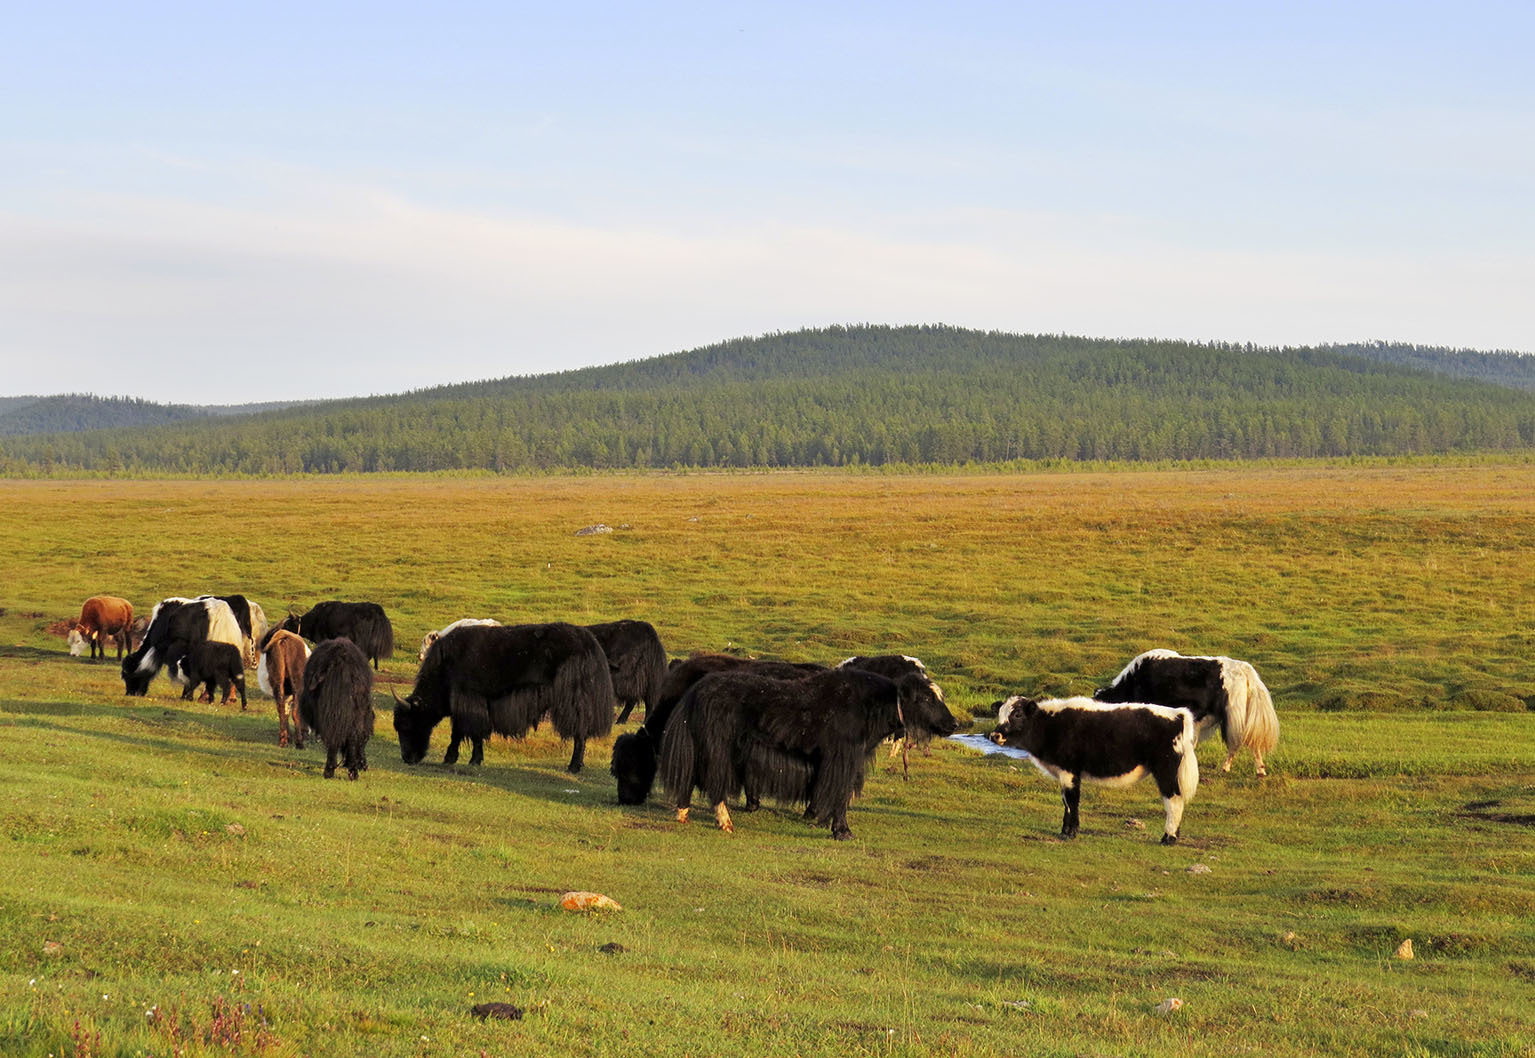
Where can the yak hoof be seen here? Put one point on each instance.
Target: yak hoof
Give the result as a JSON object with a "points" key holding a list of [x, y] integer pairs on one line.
{"points": [[1169, 839], [330, 773], [751, 805], [351, 773], [1068, 833], [841, 834]]}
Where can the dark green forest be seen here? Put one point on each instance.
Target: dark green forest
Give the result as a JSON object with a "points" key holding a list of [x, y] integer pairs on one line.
{"points": [[851, 396]]}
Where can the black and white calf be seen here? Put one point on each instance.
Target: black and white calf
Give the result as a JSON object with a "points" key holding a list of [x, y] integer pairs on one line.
{"points": [[1221, 692], [1077, 739], [210, 664]]}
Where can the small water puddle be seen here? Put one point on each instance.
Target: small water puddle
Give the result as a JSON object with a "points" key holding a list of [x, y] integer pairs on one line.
{"points": [[983, 744]]}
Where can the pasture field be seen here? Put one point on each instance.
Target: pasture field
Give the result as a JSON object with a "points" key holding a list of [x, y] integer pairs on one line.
{"points": [[172, 882]]}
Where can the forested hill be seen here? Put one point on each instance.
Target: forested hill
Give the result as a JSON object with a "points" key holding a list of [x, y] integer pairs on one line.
{"points": [[1502, 368], [72, 412], [846, 396]]}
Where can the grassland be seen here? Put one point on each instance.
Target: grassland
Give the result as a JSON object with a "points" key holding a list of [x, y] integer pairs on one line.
{"points": [[166, 865]]}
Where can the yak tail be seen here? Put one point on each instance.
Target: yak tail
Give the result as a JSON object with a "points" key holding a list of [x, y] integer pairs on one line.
{"points": [[1250, 717], [1187, 745], [678, 756], [375, 635], [223, 627], [580, 697]]}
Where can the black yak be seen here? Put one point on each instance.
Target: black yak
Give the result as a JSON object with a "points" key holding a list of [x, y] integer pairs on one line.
{"points": [[504, 679], [212, 665], [280, 673], [1116, 744], [364, 623], [175, 626], [337, 703], [635, 754], [103, 619], [1221, 692], [636, 663], [800, 741]]}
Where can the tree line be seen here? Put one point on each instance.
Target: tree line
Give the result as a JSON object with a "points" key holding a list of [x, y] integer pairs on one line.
{"points": [[849, 396]]}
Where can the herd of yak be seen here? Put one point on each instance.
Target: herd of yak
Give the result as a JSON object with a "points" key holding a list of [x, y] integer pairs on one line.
{"points": [[796, 734]]}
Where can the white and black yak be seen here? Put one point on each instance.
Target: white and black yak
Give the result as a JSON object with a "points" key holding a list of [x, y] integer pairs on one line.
{"points": [[364, 623], [337, 703], [504, 680], [1078, 739], [175, 626], [637, 662], [280, 674], [1222, 693], [636, 754], [209, 664], [796, 742], [103, 619], [432, 637]]}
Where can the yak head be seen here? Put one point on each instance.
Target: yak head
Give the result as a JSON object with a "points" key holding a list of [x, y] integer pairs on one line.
{"points": [[923, 709], [1015, 721], [414, 724], [634, 766], [139, 669], [76, 641]]}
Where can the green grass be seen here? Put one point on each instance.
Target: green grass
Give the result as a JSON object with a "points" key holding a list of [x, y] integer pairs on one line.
{"points": [[165, 863]]}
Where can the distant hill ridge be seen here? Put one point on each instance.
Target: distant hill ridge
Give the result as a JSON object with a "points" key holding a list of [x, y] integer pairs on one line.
{"points": [[865, 395]]}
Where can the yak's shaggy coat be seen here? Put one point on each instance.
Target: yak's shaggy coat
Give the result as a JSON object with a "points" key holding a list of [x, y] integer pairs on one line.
{"points": [[364, 623], [504, 680], [337, 702], [804, 741], [636, 663], [1077, 739], [1221, 692], [635, 755], [280, 674]]}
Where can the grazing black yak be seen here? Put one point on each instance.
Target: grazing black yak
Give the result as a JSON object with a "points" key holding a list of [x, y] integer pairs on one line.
{"points": [[504, 679], [175, 626], [802, 741], [636, 663], [210, 664], [1221, 693], [280, 673], [635, 754], [364, 623], [337, 702], [1116, 744]]}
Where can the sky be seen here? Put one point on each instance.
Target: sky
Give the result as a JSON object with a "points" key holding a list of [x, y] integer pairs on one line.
{"points": [[234, 202]]}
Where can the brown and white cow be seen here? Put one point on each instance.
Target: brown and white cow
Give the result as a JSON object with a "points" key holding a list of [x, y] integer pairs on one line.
{"points": [[103, 619]]}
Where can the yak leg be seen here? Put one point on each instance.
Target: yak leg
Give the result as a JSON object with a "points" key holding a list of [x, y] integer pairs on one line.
{"points": [[330, 762], [722, 816], [282, 721], [1174, 806], [1071, 798], [451, 756], [1258, 763], [578, 755], [477, 752], [623, 714]]}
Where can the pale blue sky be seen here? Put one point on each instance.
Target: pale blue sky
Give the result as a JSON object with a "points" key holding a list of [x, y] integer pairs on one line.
{"points": [[230, 202]]}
